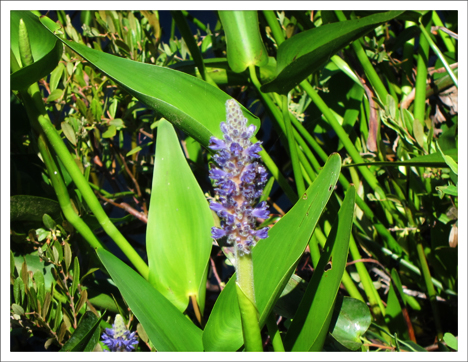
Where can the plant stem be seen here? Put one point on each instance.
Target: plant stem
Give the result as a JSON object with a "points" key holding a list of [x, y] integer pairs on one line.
{"points": [[247, 305], [430, 287], [293, 148], [421, 80], [439, 54], [274, 333], [63, 196], [371, 74]]}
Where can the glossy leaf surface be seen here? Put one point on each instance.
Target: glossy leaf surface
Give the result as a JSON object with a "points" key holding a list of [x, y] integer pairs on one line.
{"points": [[45, 48], [353, 320], [312, 319], [168, 329], [84, 338], [189, 103], [306, 52], [179, 225], [243, 40], [274, 261]]}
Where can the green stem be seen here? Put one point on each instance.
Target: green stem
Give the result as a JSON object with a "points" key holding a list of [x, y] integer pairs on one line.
{"points": [[194, 20], [265, 156], [293, 148], [274, 333], [90, 198], [40, 121], [407, 64], [371, 74], [421, 80], [63, 196], [346, 279], [439, 54], [447, 39], [430, 287], [186, 33], [274, 26], [247, 305]]}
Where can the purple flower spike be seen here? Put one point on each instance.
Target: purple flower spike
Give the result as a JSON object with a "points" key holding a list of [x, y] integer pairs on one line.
{"points": [[239, 182], [119, 338]]}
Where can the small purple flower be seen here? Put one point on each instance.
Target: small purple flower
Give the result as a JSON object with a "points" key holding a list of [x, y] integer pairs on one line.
{"points": [[119, 338], [217, 233], [216, 144], [239, 182], [261, 211], [253, 150]]}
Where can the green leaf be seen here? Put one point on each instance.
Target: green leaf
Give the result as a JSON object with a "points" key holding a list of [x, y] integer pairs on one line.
{"points": [[190, 104], [49, 223], [431, 160], [312, 319], [56, 94], [274, 261], [306, 52], [69, 132], [451, 341], [32, 208], [76, 276], [40, 285], [243, 40], [393, 312], [168, 329], [353, 320], [84, 338], [46, 50], [110, 133], [179, 225]]}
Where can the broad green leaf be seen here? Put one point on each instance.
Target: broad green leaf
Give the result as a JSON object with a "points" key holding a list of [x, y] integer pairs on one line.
{"points": [[451, 341], [168, 329], [274, 260], [353, 320], [243, 40], [190, 104], [178, 235], [32, 208], [312, 319], [46, 50], [306, 52], [84, 338]]}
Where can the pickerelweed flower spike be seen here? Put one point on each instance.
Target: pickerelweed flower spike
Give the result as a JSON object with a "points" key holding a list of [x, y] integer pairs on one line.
{"points": [[119, 338], [239, 182]]}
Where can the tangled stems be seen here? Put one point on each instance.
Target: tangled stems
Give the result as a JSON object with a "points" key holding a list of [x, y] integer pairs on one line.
{"points": [[239, 181]]}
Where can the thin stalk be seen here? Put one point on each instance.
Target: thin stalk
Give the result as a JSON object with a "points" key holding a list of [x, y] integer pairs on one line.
{"points": [[439, 54], [265, 157], [186, 33], [346, 279], [274, 26], [274, 333], [88, 195], [430, 287], [63, 196], [194, 20], [376, 305], [415, 269], [293, 148], [419, 110], [407, 65], [371, 74], [447, 39]]}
